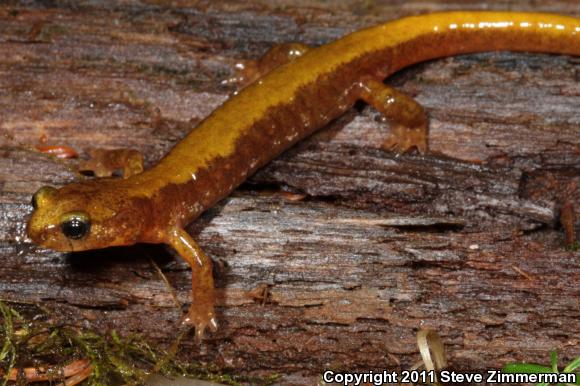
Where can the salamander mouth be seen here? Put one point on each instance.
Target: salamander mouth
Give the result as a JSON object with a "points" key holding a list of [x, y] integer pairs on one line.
{"points": [[48, 237], [35, 235]]}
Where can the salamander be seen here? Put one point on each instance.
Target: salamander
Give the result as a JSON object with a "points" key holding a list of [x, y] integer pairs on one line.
{"points": [[296, 90]]}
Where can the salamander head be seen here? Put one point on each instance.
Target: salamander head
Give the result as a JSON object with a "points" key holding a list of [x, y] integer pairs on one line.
{"points": [[86, 215]]}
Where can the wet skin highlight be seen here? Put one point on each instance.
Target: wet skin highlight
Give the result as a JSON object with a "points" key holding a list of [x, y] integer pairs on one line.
{"points": [[297, 90]]}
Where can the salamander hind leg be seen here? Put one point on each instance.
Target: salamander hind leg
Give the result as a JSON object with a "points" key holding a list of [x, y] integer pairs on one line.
{"points": [[201, 314], [409, 123], [251, 70]]}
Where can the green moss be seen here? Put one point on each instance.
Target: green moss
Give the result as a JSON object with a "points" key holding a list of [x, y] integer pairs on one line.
{"points": [[532, 368], [115, 359], [8, 353]]}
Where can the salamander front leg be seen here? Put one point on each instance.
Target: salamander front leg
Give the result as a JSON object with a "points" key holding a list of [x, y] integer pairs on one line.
{"points": [[409, 123], [105, 162], [201, 313]]}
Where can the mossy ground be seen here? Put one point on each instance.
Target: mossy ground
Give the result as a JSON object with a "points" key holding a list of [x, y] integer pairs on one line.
{"points": [[116, 360]]}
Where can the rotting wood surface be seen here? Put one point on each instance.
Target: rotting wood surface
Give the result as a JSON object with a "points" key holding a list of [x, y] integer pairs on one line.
{"points": [[366, 248]]}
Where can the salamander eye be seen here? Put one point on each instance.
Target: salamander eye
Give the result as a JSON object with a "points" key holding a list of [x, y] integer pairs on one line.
{"points": [[43, 195], [75, 225]]}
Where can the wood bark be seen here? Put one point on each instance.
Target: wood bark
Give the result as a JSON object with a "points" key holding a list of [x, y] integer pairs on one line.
{"points": [[358, 248]]}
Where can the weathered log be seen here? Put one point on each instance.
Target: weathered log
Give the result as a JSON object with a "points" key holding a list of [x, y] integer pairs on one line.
{"points": [[367, 247]]}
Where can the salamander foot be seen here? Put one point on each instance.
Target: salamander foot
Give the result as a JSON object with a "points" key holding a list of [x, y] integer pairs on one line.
{"points": [[403, 139], [408, 121], [201, 320]]}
